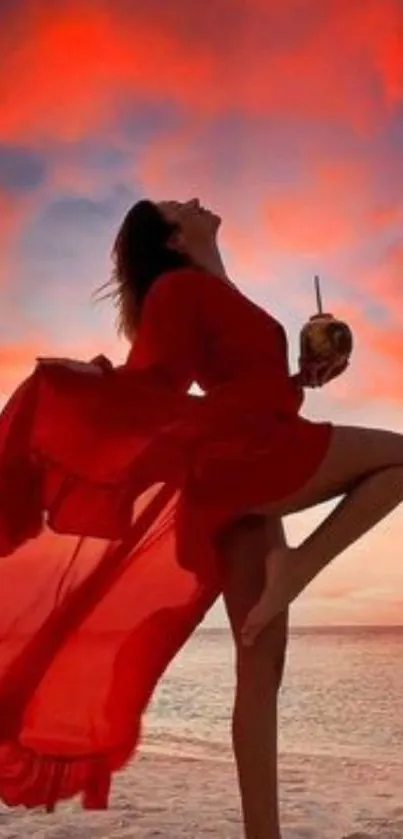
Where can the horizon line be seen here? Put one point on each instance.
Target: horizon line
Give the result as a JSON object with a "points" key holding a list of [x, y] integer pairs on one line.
{"points": [[321, 627]]}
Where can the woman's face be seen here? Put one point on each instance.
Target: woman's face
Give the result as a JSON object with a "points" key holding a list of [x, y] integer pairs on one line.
{"points": [[197, 225]]}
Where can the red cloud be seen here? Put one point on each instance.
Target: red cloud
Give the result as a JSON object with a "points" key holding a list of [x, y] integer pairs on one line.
{"points": [[388, 52], [71, 63], [65, 66]]}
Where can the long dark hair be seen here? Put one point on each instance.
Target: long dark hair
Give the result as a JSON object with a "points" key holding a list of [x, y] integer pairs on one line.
{"points": [[140, 254]]}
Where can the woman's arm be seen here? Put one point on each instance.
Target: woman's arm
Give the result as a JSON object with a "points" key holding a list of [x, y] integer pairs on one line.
{"points": [[168, 335]]}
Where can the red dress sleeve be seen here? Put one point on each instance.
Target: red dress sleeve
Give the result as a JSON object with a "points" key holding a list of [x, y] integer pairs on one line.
{"points": [[168, 338]]}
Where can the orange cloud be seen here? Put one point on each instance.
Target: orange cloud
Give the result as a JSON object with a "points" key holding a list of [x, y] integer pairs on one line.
{"points": [[385, 281], [17, 361], [377, 361], [307, 222], [334, 206], [18, 358]]}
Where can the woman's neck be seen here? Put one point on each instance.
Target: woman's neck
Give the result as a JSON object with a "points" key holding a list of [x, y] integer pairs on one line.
{"points": [[211, 260]]}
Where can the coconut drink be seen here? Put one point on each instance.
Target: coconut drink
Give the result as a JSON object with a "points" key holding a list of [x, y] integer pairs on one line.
{"points": [[324, 338]]}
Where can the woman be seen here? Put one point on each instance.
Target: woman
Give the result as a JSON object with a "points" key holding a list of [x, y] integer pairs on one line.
{"points": [[82, 442], [244, 544]]}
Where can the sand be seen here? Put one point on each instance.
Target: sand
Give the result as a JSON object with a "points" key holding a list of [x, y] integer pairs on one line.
{"points": [[171, 795]]}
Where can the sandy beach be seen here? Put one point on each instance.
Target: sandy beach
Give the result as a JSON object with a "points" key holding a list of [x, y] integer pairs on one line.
{"points": [[168, 796], [341, 746]]}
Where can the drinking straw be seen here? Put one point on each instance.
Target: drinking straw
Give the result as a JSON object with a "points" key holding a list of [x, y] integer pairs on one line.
{"points": [[318, 296]]}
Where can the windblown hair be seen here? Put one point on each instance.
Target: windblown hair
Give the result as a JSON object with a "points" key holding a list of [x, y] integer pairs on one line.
{"points": [[140, 254]]}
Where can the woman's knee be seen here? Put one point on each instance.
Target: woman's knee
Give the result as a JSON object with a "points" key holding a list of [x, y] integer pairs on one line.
{"points": [[352, 455]]}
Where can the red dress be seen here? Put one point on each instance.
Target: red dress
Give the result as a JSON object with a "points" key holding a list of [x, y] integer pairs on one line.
{"points": [[144, 474]]}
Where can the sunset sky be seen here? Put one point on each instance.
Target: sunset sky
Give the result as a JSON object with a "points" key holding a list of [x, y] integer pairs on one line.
{"points": [[287, 119]]}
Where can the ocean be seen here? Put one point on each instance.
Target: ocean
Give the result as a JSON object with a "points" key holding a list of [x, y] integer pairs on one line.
{"points": [[342, 693]]}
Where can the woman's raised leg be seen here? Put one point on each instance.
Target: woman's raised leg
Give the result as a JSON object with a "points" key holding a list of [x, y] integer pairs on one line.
{"points": [[244, 547], [363, 464]]}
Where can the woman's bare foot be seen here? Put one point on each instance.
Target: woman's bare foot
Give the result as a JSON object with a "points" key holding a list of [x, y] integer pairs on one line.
{"points": [[282, 585]]}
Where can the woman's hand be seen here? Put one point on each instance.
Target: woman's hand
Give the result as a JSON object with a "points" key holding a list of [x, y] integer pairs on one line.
{"points": [[318, 373]]}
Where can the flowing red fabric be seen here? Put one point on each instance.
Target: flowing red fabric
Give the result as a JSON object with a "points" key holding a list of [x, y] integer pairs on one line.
{"points": [[114, 483]]}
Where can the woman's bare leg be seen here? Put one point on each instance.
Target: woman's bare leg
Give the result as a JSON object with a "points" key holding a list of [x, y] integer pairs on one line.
{"points": [[366, 466], [259, 670]]}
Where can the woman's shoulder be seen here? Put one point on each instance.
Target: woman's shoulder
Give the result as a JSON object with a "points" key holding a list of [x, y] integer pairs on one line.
{"points": [[188, 277], [188, 285], [171, 284]]}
